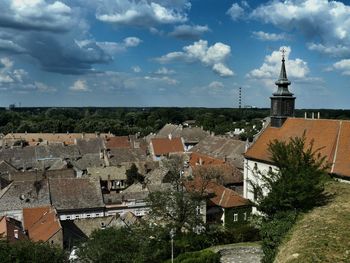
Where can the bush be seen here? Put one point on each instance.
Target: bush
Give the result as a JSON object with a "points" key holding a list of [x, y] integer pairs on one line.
{"points": [[27, 251], [273, 231], [205, 256]]}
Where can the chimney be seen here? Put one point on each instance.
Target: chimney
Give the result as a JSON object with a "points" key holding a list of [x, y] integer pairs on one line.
{"points": [[101, 154], [170, 136], [83, 135], [200, 161], [305, 115], [318, 115], [313, 115]]}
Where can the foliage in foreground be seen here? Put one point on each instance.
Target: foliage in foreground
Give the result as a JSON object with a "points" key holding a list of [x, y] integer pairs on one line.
{"points": [[152, 244], [297, 186], [27, 251]]}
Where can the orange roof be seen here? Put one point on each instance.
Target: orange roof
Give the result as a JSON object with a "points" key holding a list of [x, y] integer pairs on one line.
{"points": [[201, 159], [46, 224], [330, 136], [163, 146], [66, 138], [223, 196], [118, 142]]}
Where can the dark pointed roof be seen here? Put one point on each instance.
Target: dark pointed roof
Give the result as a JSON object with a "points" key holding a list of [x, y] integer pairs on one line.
{"points": [[283, 81]]}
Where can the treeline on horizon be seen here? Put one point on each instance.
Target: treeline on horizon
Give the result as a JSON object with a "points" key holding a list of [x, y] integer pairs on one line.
{"points": [[125, 121]]}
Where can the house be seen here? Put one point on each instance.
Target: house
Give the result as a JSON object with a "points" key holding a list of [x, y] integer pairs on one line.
{"points": [[51, 138], [76, 198], [132, 199], [42, 224], [112, 178], [11, 229], [161, 147], [118, 142], [190, 135], [223, 148], [92, 145], [23, 194], [331, 137], [224, 206]]}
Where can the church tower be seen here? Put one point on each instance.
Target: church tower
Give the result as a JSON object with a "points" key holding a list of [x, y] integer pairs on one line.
{"points": [[282, 101]]}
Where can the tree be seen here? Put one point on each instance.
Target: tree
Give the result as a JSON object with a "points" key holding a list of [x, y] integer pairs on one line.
{"points": [[296, 186], [27, 251], [175, 207], [133, 175]]}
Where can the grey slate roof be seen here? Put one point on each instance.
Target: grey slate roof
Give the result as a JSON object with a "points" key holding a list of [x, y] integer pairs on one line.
{"points": [[23, 194], [119, 156], [107, 173], [88, 160], [94, 145], [222, 148], [75, 193], [189, 134], [56, 151]]}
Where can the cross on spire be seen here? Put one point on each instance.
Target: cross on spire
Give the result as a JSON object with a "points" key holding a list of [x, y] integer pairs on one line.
{"points": [[283, 51]]}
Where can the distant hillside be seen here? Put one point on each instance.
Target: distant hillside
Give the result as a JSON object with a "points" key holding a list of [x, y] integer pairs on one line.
{"points": [[322, 235]]}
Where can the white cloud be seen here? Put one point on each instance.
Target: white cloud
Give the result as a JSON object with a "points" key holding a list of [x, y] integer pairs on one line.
{"points": [[326, 22], [9, 45], [142, 13], [136, 69], [164, 71], [188, 32], [36, 15], [216, 85], [42, 87], [80, 86], [111, 48], [343, 66], [132, 41], [213, 56], [235, 11], [297, 69], [264, 36], [165, 79]]}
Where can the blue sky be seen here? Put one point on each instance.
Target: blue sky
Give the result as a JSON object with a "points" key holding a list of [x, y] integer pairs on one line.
{"points": [[172, 53]]}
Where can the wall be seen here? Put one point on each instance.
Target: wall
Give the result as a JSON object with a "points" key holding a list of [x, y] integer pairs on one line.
{"points": [[229, 216], [80, 215]]}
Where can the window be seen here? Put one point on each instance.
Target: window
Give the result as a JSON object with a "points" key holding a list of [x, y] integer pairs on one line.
{"points": [[235, 217], [198, 210], [245, 216], [68, 217], [88, 215], [255, 166], [15, 233], [270, 169]]}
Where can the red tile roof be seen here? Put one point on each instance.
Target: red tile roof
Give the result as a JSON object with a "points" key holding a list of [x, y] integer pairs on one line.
{"points": [[118, 142], [202, 159], [163, 146], [330, 136], [45, 225], [223, 197]]}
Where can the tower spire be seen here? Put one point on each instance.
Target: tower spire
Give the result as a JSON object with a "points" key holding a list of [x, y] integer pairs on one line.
{"points": [[282, 101]]}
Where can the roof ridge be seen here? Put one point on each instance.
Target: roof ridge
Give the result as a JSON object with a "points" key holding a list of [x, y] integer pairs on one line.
{"points": [[336, 146]]}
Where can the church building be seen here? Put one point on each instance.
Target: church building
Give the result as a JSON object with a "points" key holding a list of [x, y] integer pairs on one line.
{"points": [[331, 136]]}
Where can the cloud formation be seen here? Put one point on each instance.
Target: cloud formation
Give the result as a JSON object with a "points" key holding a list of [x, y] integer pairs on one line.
{"points": [[142, 13], [37, 15], [213, 56], [343, 66], [325, 23], [189, 32], [264, 36], [297, 69], [235, 11], [79, 86]]}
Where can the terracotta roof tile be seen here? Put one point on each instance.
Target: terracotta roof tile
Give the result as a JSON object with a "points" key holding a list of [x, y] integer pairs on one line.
{"points": [[223, 196], [41, 223], [163, 146], [330, 136], [118, 142], [202, 159]]}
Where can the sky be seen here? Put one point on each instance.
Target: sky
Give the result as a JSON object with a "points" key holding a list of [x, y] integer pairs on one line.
{"points": [[144, 53]]}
